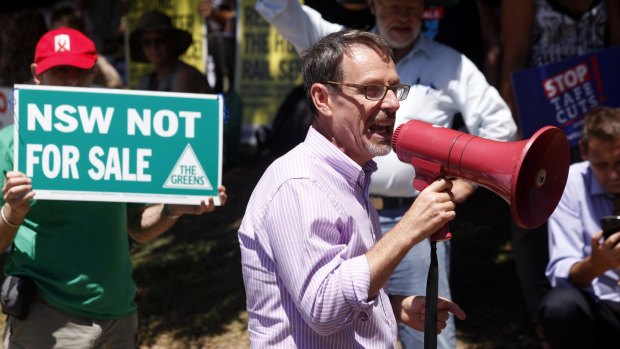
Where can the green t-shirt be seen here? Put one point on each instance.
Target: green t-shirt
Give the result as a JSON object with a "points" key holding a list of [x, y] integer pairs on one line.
{"points": [[76, 252]]}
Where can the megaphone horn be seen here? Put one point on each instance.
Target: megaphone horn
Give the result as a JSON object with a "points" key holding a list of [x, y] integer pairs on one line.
{"points": [[530, 174]]}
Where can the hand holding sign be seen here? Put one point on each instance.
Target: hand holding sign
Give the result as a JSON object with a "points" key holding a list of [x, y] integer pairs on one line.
{"points": [[17, 193], [178, 210]]}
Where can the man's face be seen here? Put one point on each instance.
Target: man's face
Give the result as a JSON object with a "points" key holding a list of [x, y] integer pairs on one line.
{"points": [[363, 128], [66, 76], [398, 21], [604, 157]]}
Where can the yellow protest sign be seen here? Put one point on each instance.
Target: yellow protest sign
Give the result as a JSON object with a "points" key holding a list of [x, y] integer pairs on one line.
{"points": [[267, 69]]}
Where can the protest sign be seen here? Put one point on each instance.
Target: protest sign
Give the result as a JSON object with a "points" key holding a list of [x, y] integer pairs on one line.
{"points": [[268, 68], [91, 144], [561, 93]]}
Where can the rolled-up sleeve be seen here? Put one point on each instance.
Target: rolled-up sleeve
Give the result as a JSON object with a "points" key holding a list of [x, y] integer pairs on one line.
{"points": [[355, 275]]}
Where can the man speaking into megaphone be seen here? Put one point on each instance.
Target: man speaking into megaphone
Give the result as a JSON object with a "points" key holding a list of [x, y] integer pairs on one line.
{"points": [[443, 82], [315, 262]]}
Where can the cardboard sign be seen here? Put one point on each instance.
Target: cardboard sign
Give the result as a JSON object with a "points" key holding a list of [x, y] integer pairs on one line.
{"points": [[119, 145], [561, 93], [268, 68]]}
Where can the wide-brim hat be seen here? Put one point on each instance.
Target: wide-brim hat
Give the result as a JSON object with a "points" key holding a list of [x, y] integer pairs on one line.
{"points": [[157, 21]]}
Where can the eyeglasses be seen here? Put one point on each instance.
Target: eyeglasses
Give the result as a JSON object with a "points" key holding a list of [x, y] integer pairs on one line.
{"points": [[377, 92]]}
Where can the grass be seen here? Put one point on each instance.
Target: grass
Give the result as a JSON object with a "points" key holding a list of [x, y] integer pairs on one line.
{"points": [[191, 295]]}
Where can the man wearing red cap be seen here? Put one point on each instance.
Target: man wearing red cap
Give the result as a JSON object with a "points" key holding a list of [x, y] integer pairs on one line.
{"points": [[75, 255]]}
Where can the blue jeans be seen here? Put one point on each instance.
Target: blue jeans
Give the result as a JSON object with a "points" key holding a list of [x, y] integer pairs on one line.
{"points": [[409, 278]]}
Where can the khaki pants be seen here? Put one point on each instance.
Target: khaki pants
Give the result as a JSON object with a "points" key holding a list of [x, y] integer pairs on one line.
{"points": [[47, 328]]}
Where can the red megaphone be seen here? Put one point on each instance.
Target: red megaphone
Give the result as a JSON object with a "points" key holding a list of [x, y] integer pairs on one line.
{"points": [[530, 174]]}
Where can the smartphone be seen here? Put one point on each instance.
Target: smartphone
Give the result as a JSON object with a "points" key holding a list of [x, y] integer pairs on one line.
{"points": [[610, 225]]}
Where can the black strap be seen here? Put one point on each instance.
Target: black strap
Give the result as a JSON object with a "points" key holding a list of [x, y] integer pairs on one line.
{"points": [[432, 285]]}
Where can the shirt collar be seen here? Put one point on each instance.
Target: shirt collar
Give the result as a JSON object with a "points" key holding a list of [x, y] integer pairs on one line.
{"points": [[322, 148], [421, 45]]}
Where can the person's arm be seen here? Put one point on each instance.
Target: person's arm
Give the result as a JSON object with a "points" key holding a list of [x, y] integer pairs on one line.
{"points": [[301, 25], [484, 111], [569, 239], [148, 223], [205, 8], [462, 189], [189, 79], [106, 75], [432, 209], [16, 195], [517, 18], [410, 311], [604, 256], [613, 21]]}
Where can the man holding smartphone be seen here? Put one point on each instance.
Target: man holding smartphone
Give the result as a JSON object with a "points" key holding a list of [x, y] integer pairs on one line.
{"points": [[583, 308]]}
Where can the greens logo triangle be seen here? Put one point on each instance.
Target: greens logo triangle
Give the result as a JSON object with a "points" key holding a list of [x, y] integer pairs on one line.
{"points": [[188, 173]]}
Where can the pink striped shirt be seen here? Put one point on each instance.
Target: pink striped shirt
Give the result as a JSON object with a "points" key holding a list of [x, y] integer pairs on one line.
{"points": [[303, 239]]}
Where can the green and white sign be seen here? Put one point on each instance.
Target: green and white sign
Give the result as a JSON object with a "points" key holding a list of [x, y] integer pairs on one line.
{"points": [[93, 144]]}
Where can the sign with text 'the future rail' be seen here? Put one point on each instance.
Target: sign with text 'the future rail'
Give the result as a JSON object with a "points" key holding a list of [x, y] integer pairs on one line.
{"points": [[92, 144]]}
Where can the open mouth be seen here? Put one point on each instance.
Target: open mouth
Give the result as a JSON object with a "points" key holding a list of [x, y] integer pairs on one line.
{"points": [[382, 128]]}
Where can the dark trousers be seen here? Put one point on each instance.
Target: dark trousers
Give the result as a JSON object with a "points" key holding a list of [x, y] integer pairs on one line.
{"points": [[531, 255], [576, 319]]}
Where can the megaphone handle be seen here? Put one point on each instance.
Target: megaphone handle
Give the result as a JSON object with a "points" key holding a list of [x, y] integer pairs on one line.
{"points": [[432, 287], [426, 173], [442, 234]]}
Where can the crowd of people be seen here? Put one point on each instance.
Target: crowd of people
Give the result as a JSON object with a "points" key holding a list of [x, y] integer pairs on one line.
{"points": [[334, 242]]}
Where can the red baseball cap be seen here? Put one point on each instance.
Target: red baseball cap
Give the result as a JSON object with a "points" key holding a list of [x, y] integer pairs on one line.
{"points": [[64, 46]]}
